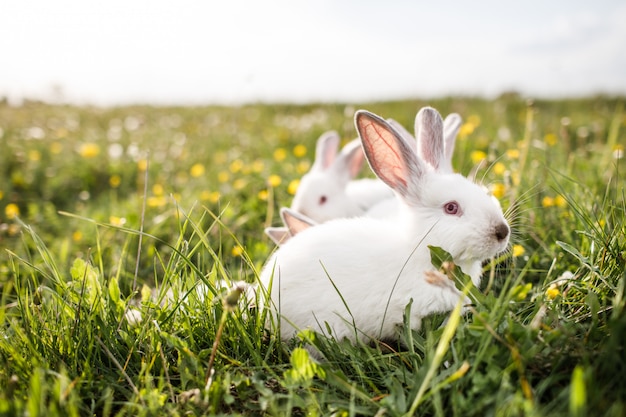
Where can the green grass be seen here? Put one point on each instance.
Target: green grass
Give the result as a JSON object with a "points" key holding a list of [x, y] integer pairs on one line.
{"points": [[151, 210]]}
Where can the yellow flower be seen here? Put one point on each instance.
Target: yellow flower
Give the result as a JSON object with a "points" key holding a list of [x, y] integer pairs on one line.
{"points": [[303, 167], [258, 166], [477, 156], [498, 190], [117, 221], [197, 170], [211, 196], [240, 184], [155, 201], [518, 250], [499, 168], [522, 291], [299, 151], [474, 120], [89, 150], [560, 201], [512, 153], [223, 176], [274, 180], [293, 186], [56, 148], [552, 292], [466, 130], [236, 166], [263, 194], [142, 164], [115, 181], [77, 236], [547, 201], [280, 154], [237, 250], [11, 211], [34, 155], [550, 139], [157, 190]]}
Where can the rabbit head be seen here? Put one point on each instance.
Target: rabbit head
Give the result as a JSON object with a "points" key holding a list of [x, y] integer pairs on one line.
{"points": [[321, 195]]}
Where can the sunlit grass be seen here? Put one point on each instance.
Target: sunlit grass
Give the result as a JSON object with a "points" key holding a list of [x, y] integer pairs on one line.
{"points": [[96, 320]]}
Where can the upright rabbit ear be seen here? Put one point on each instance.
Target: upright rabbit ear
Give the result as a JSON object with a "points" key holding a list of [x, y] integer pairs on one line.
{"points": [[429, 134], [326, 150], [351, 158], [389, 155], [295, 221], [451, 126]]}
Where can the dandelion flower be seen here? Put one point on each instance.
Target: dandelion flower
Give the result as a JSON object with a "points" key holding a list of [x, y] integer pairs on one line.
{"points": [[77, 236], [552, 292], [550, 139], [258, 166], [499, 168], [478, 156], [274, 180], [117, 221], [498, 190], [262, 195], [280, 154], [142, 164], [299, 151], [512, 153], [303, 167], [115, 181], [89, 150], [34, 155], [237, 250], [293, 186], [240, 184], [518, 250], [197, 170], [236, 166], [547, 201], [560, 201], [157, 190], [11, 211], [223, 176]]}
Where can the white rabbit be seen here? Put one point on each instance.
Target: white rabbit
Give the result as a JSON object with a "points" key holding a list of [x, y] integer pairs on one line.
{"points": [[328, 190], [356, 276], [294, 223]]}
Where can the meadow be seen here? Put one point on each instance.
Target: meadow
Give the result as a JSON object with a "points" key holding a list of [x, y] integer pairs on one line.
{"points": [[117, 224]]}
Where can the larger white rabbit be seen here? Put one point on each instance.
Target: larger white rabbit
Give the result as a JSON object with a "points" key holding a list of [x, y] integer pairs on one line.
{"points": [[356, 276]]}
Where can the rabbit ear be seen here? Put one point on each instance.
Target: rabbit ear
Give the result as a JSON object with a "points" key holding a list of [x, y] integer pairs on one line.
{"points": [[351, 159], [429, 134], [295, 221], [451, 126], [279, 235], [402, 131], [390, 156], [326, 150]]}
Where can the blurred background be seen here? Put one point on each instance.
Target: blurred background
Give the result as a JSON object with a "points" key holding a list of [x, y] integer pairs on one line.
{"points": [[231, 52]]}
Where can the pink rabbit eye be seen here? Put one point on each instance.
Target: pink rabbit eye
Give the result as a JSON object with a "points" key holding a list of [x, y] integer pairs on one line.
{"points": [[323, 199], [452, 208]]}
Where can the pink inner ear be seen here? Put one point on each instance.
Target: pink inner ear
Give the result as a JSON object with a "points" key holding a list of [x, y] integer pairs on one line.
{"points": [[384, 153]]}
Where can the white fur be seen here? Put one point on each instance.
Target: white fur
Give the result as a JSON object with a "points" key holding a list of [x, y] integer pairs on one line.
{"points": [[379, 265]]}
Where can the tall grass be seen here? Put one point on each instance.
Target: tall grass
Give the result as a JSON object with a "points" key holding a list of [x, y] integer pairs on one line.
{"points": [[111, 308]]}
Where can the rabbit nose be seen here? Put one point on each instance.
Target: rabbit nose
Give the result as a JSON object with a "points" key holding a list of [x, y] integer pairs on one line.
{"points": [[502, 231]]}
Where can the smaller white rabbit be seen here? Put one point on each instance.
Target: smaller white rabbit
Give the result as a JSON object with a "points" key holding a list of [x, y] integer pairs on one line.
{"points": [[294, 223], [354, 277], [329, 191]]}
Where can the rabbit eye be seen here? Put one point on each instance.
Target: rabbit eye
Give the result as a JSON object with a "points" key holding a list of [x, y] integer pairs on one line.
{"points": [[323, 199], [452, 208]]}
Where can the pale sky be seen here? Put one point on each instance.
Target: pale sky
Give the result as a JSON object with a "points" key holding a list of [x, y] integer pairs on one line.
{"points": [[233, 51]]}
